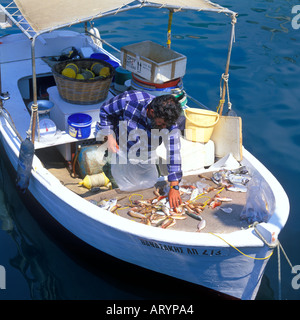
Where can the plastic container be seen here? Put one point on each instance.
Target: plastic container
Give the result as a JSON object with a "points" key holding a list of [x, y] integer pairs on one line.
{"points": [[121, 76], [91, 159], [99, 56], [113, 63], [167, 84], [199, 124], [79, 125]]}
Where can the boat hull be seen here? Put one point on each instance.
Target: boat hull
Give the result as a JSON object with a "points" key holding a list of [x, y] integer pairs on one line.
{"points": [[212, 264]]}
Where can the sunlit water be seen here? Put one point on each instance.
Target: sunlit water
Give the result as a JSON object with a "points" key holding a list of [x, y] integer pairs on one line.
{"points": [[264, 90]]}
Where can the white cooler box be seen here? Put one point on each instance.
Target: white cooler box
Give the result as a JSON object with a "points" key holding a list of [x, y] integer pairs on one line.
{"points": [[194, 155], [62, 110]]}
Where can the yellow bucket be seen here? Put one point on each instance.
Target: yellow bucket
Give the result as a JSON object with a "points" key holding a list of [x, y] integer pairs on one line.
{"points": [[199, 124]]}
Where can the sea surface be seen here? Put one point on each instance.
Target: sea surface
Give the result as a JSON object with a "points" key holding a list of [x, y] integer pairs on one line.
{"points": [[264, 89]]}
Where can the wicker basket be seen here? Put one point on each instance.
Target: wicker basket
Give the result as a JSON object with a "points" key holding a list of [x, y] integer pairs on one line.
{"points": [[83, 92]]}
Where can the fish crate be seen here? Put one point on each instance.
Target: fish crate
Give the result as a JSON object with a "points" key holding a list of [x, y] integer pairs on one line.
{"points": [[153, 61]]}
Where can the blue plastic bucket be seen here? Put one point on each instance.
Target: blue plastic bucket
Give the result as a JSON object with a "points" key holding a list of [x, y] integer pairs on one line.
{"points": [[114, 63], [99, 56], [79, 125]]}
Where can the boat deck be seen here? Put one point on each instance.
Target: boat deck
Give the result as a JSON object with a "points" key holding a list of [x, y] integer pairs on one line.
{"points": [[216, 219]]}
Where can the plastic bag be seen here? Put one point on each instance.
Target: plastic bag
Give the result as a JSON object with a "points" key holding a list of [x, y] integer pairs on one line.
{"points": [[260, 201], [133, 176]]}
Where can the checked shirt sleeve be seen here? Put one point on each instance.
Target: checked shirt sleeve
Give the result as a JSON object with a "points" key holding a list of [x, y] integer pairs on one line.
{"points": [[109, 114], [174, 157]]}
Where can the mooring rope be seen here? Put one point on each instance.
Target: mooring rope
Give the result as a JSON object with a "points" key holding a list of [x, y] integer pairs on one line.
{"points": [[224, 78], [275, 244]]}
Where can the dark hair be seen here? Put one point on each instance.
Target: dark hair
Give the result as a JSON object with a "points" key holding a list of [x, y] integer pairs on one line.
{"points": [[166, 107]]}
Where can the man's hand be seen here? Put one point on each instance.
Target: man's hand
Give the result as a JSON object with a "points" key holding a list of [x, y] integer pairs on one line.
{"points": [[112, 144], [174, 197]]}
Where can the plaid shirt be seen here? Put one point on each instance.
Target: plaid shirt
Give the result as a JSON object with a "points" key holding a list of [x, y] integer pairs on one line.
{"points": [[131, 106]]}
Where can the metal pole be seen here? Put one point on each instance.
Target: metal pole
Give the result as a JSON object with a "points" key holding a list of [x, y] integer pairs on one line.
{"points": [[222, 100], [169, 28], [34, 106]]}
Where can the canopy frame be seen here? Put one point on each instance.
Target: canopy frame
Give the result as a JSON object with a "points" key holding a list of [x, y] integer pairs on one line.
{"points": [[14, 14]]}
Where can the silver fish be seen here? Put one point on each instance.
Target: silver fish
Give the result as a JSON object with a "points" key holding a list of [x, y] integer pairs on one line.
{"points": [[226, 210], [166, 210], [193, 215], [201, 225], [238, 178], [107, 205], [219, 177], [111, 203], [237, 188], [194, 194], [240, 170]]}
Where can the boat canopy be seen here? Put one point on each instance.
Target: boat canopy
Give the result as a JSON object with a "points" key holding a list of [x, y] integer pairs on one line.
{"points": [[34, 17]]}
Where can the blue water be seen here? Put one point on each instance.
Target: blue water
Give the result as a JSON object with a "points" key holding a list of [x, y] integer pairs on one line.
{"points": [[264, 90]]}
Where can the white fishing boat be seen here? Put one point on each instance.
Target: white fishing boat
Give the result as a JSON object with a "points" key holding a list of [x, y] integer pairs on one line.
{"points": [[229, 254]]}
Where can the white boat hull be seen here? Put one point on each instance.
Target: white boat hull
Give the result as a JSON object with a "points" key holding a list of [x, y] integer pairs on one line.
{"points": [[200, 258]]}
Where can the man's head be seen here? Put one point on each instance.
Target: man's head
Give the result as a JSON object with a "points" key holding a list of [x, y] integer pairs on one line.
{"points": [[164, 111]]}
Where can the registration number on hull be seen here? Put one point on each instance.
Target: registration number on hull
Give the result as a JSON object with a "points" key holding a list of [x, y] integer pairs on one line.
{"points": [[207, 252]]}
